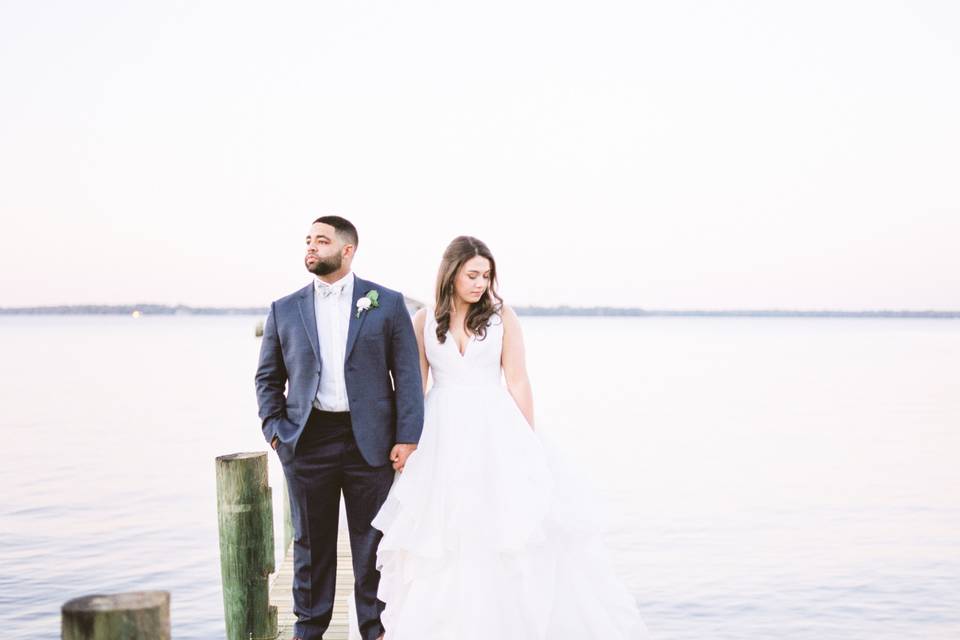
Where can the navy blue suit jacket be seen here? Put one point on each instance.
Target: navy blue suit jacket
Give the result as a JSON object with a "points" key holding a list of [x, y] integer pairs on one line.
{"points": [[381, 369]]}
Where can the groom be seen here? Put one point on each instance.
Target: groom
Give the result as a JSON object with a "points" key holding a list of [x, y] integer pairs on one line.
{"points": [[353, 411]]}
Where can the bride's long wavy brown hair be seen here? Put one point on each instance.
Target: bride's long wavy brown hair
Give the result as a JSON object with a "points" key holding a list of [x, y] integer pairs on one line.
{"points": [[461, 249]]}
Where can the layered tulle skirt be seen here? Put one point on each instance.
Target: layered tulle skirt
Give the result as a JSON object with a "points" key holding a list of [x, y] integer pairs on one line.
{"points": [[484, 537]]}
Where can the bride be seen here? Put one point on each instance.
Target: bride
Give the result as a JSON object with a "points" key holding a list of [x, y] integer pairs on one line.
{"points": [[480, 537]]}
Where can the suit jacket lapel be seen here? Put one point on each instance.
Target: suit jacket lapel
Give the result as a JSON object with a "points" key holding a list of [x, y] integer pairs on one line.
{"points": [[308, 313], [360, 288]]}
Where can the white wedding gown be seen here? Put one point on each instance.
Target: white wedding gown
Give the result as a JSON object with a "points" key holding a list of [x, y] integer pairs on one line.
{"points": [[481, 539]]}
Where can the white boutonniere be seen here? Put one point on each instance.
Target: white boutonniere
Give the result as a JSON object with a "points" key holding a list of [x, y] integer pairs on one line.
{"points": [[368, 301]]}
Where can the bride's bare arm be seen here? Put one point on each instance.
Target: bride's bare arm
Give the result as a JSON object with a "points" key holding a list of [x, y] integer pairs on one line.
{"points": [[514, 364], [419, 319]]}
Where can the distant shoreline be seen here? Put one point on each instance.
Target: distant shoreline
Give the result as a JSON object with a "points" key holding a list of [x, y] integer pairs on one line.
{"points": [[175, 310]]}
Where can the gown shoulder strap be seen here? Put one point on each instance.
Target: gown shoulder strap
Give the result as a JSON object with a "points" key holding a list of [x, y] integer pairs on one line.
{"points": [[429, 323]]}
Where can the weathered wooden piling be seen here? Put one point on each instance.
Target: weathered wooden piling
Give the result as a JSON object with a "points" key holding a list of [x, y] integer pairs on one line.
{"points": [[140, 615], [245, 510]]}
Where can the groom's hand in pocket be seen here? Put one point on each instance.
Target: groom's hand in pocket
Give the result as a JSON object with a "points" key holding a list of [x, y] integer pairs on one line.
{"points": [[399, 455]]}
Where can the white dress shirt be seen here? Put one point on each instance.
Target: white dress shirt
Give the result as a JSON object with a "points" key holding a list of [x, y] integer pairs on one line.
{"points": [[333, 320]]}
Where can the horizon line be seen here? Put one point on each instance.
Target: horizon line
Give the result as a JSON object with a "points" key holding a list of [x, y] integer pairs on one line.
{"points": [[170, 309]]}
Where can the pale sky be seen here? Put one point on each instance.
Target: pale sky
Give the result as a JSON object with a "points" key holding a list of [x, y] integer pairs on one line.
{"points": [[681, 154]]}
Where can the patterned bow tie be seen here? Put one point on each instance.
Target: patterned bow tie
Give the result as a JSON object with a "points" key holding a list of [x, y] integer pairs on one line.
{"points": [[326, 292]]}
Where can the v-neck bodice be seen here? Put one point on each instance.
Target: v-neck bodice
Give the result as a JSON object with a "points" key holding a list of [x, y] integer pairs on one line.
{"points": [[478, 364]]}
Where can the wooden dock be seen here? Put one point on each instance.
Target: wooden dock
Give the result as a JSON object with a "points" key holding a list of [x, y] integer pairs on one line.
{"points": [[282, 598]]}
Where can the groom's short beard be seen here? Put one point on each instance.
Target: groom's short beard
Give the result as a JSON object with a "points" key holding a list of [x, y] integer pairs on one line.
{"points": [[326, 266]]}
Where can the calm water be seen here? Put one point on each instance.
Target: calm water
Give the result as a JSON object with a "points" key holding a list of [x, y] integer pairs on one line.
{"points": [[789, 478]]}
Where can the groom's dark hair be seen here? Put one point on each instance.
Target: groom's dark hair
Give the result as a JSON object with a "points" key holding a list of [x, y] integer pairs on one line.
{"points": [[344, 228]]}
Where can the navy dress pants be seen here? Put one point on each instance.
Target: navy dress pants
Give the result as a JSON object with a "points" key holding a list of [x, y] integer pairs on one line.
{"points": [[327, 461]]}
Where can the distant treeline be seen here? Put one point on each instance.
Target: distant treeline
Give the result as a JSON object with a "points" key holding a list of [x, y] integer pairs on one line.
{"points": [[736, 313], [126, 310], [170, 310]]}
